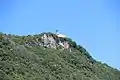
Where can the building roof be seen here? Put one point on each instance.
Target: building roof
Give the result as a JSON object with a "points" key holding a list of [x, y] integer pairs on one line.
{"points": [[61, 35]]}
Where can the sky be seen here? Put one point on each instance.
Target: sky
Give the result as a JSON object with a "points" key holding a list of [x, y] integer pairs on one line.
{"points": [[94, 24]]}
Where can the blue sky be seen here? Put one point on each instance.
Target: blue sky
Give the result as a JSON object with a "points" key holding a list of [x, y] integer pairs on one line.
{"points": [[93, 24]]}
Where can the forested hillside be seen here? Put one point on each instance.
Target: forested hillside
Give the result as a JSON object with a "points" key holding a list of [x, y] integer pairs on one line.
{"points": [[46, 57]]}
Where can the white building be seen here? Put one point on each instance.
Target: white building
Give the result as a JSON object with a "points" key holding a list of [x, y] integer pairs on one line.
{"points": [[61, 35]]}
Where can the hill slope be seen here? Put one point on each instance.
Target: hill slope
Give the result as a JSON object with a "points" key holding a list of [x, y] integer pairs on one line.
{"points": [[26, 58]]}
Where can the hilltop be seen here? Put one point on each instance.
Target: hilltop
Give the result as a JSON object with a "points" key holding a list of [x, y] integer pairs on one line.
{"points": [[47, 56]]}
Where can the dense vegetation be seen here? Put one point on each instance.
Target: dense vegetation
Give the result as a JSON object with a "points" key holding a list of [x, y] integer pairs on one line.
{"points": [[21, 62]]}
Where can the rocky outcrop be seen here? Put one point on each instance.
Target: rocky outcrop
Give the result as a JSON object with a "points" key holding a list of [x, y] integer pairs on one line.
{"points": [[49, 41]]}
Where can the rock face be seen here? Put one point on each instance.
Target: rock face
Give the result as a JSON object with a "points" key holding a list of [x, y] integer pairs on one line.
{"points": [[66, 45], [50, 41], [47, 40]]}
